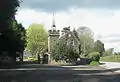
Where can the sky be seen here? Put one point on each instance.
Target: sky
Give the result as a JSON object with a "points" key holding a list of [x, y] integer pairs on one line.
{"points": [[101, 16]]}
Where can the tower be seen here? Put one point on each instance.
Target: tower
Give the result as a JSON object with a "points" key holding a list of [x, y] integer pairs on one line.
{"points": [[53, 35]]}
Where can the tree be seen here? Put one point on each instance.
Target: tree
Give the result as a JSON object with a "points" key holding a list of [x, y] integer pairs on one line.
{"points": [[62, 51], [77, 36], [14, 40], [99, 47], [36, 39], [86, 39], [8, 9], [19, 38]]}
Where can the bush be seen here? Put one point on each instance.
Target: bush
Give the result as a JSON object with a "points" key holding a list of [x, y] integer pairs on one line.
{"points": [[94, 63], [94, 56]]}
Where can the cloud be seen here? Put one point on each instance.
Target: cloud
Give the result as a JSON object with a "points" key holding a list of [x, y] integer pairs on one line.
{"points": [[101, 21], [95, 19], [60, 5]]}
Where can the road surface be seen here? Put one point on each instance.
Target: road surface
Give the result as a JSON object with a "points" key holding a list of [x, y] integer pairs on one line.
{"points": [[48, 73]]}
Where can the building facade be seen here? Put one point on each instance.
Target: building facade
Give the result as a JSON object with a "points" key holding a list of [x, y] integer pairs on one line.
{"points": [[66, 35]]}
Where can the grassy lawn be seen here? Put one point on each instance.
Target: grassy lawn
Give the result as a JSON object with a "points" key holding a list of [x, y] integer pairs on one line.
{"points": [[33, 59], [113, 58], [94, 63]]}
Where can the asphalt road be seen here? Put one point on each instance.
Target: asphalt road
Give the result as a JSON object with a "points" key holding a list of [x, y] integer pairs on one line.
{"points": [[48, 73]]}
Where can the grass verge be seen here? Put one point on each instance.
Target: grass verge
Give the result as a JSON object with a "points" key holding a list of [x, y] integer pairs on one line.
{"points": [[113, 58], [94, 63]]}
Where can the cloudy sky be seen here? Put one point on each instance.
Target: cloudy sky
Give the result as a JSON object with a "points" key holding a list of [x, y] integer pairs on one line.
{"points": [[102, 16]]}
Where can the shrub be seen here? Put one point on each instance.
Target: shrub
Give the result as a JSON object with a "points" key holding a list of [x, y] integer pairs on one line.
{"points": [[95, 56], [94, 63]]}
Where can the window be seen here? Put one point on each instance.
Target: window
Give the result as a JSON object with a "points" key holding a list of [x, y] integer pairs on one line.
{"points": [[72, 42]]}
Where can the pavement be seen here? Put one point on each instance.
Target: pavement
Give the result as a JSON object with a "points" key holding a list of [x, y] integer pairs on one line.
{"points": [[51, 73]]}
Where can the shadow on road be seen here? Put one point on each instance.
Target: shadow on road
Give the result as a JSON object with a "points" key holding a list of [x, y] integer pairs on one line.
{"points": [[50, 73]]}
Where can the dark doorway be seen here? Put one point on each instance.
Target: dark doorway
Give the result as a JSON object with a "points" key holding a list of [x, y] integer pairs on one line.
{"points": [[45, 59]]}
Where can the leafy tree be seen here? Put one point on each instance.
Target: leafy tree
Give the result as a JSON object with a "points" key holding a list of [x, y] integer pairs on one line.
{"points": [[99, 47], [72, 54], [8, 9], [36, 39], [14, 40], [77, 36], [86, 39], [62, 51], [19, 38]]}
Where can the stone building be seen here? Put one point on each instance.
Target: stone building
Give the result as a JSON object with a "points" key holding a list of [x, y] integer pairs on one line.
{"points": [[69, 38], [66, 35], [53, 36]]}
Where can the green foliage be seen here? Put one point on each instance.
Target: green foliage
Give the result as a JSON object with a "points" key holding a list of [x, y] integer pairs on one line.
{"points": [[13, 34], [61, 51], [36, 39], [95, 56], [112, 58], [99, 47], [56, 51], [72, 53], [14, 39], [94, 63], [76, 34], [86, 39], [19, 37], [8, 9]]}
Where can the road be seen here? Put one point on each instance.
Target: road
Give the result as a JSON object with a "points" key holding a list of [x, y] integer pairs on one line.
{"points": [[50, 73], [111, 65]]}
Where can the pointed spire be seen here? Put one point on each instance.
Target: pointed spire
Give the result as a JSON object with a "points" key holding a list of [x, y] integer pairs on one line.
{"points": [[53, 22]]}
